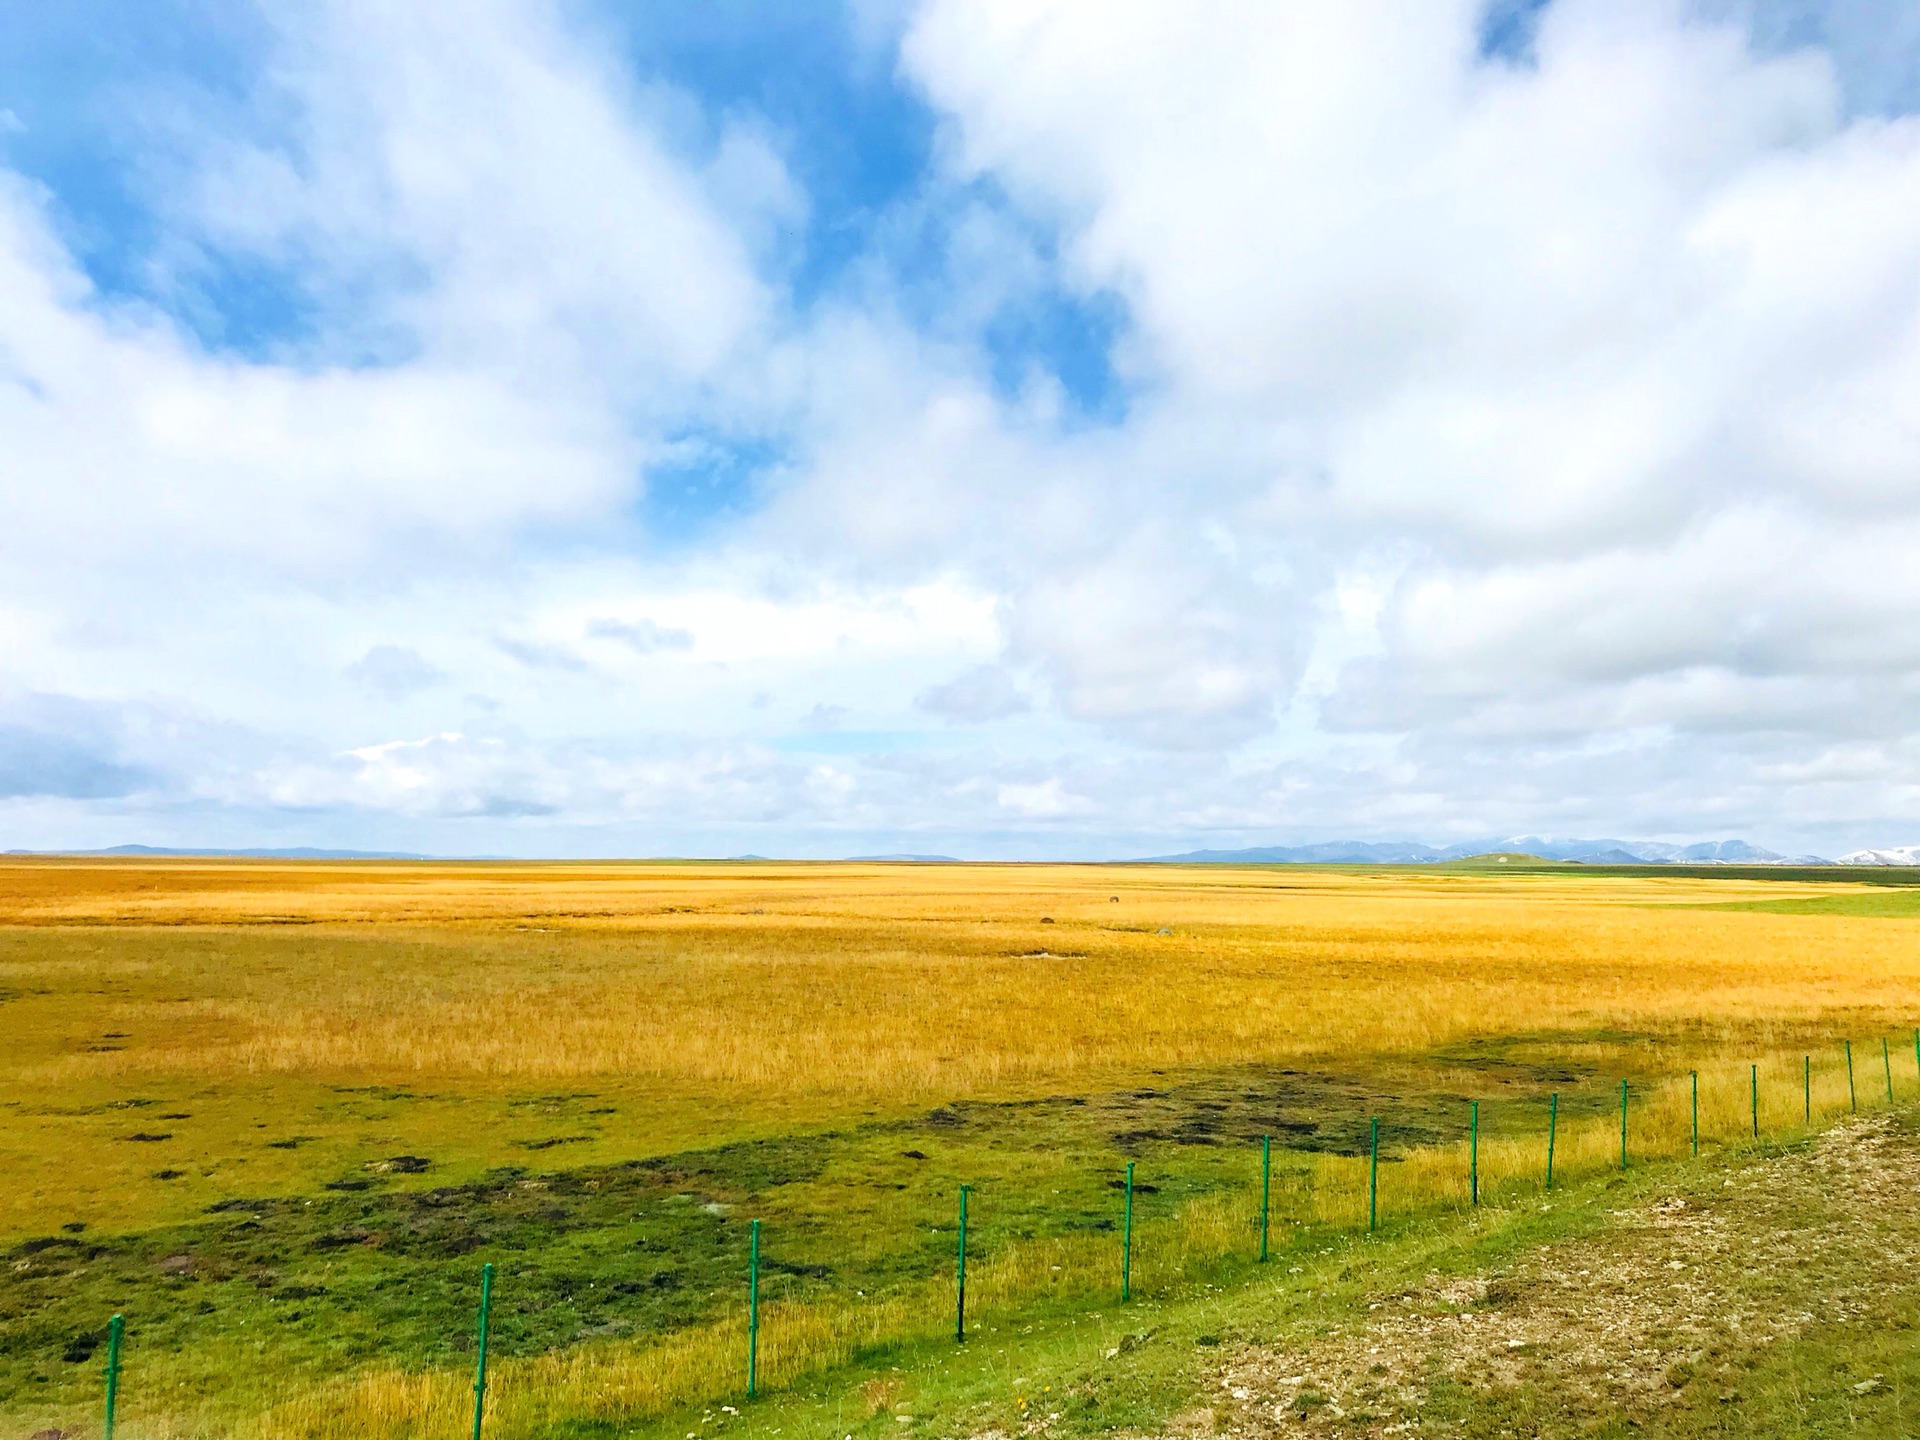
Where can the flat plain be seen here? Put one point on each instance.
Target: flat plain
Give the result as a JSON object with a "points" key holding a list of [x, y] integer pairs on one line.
{"points": [[278, 1114]]}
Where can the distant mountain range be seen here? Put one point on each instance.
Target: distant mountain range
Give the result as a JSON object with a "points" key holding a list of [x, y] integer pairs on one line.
{"points": [[1585, 852], [1330, 852], [298, 852]]}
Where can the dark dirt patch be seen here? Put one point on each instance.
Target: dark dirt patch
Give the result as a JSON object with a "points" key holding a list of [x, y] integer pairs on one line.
{"points": [[339, 1238], [42, 1243], [1303, 1110], [789, 1267], [252, 1207], [81, 1347], [1418, 1103]]}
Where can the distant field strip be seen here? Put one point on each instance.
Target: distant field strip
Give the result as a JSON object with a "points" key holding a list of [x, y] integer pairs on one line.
{"points": [[883, 984]]}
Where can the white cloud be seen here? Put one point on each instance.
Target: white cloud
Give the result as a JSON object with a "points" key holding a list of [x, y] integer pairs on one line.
{"points": [[642, 636], [478, 200], [976, 695], [1505, 446], [503, 190], [1046, 800], [1614, 351], [394, 671]]}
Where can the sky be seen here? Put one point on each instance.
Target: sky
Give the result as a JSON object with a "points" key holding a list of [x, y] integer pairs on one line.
{"points": [[997, 429]]}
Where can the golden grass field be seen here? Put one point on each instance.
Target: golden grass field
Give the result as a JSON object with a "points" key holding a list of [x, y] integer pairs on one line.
{"points": [[736, 997], [714, 1002]]}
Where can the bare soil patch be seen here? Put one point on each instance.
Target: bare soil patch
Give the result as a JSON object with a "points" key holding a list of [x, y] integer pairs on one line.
{"points": [[1669, 1307]]}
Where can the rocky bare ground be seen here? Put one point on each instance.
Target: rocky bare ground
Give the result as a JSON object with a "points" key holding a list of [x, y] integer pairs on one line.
{"points": [[1677, 1300]]}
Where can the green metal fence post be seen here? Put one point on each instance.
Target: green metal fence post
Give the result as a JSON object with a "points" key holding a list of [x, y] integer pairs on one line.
{"points": [[480, 1329], [1696, 1114], [1473, 1154], [1623, 1124], [115, 1328], [1373, 1175], [1126, 1244], [1753, 1077], [1266, 1189], [1806, 1084], [1886, 1059], [753, 1308], [1916, 1051], [1553, 1124], [1853, 1096], [960, 1272]]}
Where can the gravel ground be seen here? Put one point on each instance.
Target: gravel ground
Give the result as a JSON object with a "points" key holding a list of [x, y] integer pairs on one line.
{"points": [[1669, 1308]]}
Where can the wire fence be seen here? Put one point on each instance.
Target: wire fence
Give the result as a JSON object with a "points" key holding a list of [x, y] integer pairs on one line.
{"points": [[1779, 1097]]}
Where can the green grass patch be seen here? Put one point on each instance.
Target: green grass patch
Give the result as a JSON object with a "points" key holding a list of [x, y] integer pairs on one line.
{"points": [[377, 1264], [1156, 1366], [1888, 904]]}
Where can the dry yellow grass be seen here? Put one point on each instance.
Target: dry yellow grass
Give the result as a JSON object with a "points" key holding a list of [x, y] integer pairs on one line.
{"points": [[887, 982], [719, 1000]]}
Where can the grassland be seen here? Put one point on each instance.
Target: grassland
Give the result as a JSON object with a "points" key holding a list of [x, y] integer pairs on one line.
{"points": [[279, 1113]]}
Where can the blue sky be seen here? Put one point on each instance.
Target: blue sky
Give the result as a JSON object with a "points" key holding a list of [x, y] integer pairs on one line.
{"points": [[555, 428]]}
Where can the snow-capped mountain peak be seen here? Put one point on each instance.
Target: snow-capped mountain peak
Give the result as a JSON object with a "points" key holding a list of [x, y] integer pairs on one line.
{"points": [[1898, 855]]}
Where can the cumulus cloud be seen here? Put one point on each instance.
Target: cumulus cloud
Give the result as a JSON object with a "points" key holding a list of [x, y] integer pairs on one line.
{"points": [[539, 654], [495, 186], [509, 282], [1612, 352], [394, 671], [55, 747], [1496, 439], [642, 636], [975, 696]]}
